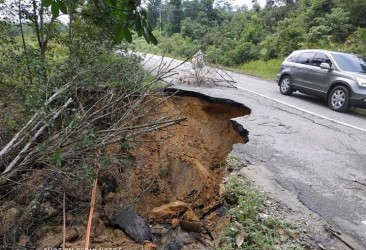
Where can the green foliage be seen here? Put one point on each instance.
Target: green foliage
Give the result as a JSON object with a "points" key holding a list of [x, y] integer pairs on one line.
{"points": [[232, 37], [357, 42], [243, 52], [174, 14], [255, 231], [125, 15], [58, 157], [154, 11]]}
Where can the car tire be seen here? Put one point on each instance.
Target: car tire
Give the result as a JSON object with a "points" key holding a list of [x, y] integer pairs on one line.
{"points": [[338, 99], [285, 85]]}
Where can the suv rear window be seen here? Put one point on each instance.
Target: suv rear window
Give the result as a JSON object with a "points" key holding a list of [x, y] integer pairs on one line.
{"points": [[306, 58], [293, 58]]}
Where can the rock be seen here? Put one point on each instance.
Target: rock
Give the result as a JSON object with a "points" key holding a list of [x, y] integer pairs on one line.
{"points": [[190, 215], [23, 240], [159, 229], [55, 240], [178, 240], [170, 209], [8, 219], [133, 225], [211, 221]]}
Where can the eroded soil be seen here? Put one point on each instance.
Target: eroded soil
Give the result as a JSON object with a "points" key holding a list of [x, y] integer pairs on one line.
{"points": [[172, 182]]}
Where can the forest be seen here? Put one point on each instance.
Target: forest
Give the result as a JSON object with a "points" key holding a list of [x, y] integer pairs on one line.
{"points": [[233, 36]]}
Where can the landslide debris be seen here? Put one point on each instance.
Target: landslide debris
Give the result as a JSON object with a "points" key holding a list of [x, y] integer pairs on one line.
{"points": [[166, 181]]}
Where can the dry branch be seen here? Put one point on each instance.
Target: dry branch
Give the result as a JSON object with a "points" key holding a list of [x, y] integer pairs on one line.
{"points": [[35, 136], [92, 200]]}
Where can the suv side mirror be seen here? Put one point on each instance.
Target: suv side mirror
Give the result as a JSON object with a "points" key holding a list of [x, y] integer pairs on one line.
{"points": [[325, 66]]}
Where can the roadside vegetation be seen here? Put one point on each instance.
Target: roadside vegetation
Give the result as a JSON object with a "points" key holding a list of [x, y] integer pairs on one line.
{"points": [[255, 40], [251, 225], [65, 97]]}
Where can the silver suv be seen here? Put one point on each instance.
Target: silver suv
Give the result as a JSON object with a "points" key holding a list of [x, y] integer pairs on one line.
{"points": [[339, 78]]}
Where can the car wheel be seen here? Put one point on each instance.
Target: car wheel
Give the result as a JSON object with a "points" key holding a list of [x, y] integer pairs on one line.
{"points": [[285, 85], [338, 99]]}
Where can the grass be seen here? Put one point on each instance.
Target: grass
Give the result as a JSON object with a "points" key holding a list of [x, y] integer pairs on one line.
{"points": [[247, 227], [261, 68]]}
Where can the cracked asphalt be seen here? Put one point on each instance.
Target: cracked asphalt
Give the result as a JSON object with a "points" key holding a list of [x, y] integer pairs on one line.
{"points": [[315, 153]]}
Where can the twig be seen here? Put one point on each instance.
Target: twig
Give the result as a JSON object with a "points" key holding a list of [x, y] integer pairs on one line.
{"points": [[64, 222], [92, 200], [356, 181], [338, 236]]}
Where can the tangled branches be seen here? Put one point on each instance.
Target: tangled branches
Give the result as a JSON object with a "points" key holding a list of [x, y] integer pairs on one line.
{"points": [[96, 108]]}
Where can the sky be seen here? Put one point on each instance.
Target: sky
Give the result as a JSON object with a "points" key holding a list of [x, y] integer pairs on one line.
{"points": [[248, 2]]}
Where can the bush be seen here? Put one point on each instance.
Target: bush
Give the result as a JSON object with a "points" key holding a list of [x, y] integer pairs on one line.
{"points": [[243, 52]]}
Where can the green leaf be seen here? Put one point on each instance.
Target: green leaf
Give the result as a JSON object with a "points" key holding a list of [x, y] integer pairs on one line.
{"points": [[137, 24], [47, 3], [152, 38], [127, 34], [118, 36], [55, 9], [146, 35], [62, 6]]}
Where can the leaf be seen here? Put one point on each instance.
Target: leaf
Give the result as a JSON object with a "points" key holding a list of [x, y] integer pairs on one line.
{"points": [[118, 36], [240, 239], [55, 9], [62, 6], [137, 24], [47, 3], [152, 37], [145, 36], [149, 37], [127, 34]]}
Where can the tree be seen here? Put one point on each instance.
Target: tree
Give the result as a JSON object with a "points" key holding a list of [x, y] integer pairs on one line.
{"points": [[174, 16], [356, 8], [154, 11]]}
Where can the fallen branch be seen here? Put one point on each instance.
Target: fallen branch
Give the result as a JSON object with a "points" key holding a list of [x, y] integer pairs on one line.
{"points": [[35, 136], [356, 181], [338, 235], [64, 222], [92, 200]]}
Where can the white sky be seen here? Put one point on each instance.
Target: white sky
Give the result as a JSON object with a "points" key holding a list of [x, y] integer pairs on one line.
{"points": [[248, 3]]}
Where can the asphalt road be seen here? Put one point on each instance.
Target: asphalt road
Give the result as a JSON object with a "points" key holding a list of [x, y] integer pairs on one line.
{"points": [[315, 153]]}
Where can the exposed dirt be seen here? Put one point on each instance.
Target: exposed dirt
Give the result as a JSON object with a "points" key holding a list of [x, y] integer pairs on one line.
{"points": [[173, 181], [184, 162]]}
